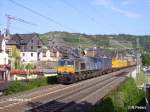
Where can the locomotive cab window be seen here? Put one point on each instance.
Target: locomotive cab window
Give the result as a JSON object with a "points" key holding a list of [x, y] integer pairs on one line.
{"points": [[66, 63]]}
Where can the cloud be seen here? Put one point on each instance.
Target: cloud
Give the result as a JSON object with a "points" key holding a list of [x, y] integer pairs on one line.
{"points": [[126, 13], [109, 4]]}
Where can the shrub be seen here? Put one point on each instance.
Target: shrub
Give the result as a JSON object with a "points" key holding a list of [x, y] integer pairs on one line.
{"points": [[119, 101], [18, 86]]}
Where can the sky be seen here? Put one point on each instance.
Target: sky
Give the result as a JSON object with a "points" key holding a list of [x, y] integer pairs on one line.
{"points": [[79, 16]]}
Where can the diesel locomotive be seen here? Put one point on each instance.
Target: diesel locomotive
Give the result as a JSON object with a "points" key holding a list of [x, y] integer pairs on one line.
{"points": [[76, 69]]}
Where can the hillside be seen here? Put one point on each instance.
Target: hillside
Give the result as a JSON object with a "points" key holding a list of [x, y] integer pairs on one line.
{"points": [[120, 41]]}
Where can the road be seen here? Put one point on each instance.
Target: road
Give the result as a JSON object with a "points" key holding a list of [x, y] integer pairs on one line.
{"points": [[64, 98]]}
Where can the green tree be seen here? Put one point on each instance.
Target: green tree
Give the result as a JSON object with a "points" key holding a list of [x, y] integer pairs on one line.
{"points": [[16, 57], [29, 66], [146, 59]]}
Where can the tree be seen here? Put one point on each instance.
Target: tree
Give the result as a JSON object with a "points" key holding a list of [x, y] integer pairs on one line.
{"points": [[146, 59], [16, 57], [29, 66]]}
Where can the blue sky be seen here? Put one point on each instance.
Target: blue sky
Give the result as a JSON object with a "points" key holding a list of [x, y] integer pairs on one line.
{"points": [[84, 16]]}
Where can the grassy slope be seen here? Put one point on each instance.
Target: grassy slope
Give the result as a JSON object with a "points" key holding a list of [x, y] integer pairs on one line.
{"points": [[100, 40], [119, 101]]}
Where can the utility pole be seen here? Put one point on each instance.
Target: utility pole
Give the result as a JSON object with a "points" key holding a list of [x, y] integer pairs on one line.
{"points": [[9, 18], [138, 64], [79, 47]]}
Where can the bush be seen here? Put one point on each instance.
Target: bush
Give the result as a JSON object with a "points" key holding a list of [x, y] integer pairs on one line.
{"points": [[18, 86], [146, 59], [120, 101]]}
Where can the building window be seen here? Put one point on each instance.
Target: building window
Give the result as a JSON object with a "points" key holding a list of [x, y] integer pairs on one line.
{"points": [[31, 54], [44, 54], [9, 52]]}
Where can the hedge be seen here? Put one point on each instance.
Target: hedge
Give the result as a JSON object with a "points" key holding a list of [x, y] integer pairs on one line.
{"points": [[18, 86]]}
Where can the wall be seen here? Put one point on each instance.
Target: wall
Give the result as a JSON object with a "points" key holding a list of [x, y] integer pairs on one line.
{"points": [[3, 58], [3, 54], [27, 56], [49, 56]]}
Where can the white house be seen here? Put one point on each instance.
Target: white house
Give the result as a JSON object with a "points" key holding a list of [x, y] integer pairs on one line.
{"points": [[3, 54], [4, 72], [29, 56], [50, 55]]}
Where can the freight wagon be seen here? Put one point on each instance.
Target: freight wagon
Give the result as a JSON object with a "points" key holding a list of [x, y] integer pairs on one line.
{"points": [[119, 63]]}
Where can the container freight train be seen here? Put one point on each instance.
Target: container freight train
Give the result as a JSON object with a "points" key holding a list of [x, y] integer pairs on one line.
{"points": [[73, 70]]}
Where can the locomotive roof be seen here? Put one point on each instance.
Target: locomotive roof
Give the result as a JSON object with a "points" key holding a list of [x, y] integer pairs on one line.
{"points": [[84, 57]]}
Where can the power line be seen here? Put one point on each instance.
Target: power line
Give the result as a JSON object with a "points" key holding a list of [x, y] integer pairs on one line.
{"points": [[39, 14], [79, 11], [19, 19], [9, 18], [97, 12]]}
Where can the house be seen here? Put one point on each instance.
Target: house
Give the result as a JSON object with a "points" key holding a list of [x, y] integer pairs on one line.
{"points": [[30, 46], [50, 54], [13, 51], [4, 65], [3, 54]]}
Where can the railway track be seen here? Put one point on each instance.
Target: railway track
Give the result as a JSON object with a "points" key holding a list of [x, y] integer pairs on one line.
{"points": [[59, 97], [54, 106]]}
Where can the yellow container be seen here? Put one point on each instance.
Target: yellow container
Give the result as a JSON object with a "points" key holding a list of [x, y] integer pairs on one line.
{"points": [[119, 63]]}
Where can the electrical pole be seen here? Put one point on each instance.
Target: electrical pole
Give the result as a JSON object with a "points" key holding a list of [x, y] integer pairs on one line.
{"points": [[7, 30], [79, 47], [138, 66], [9, 18]]}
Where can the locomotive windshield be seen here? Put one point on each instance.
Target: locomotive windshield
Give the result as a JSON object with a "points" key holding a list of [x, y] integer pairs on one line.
{"points": [[65, 63]]}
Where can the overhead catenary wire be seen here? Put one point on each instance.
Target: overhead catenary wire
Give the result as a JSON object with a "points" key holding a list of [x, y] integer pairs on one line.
{"points": [[97, 12], [14, 27], [79, 11], [41, 15], [19, 19]]}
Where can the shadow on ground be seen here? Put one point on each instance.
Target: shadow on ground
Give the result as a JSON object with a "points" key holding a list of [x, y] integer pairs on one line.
{"points": [[53, 106]]}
